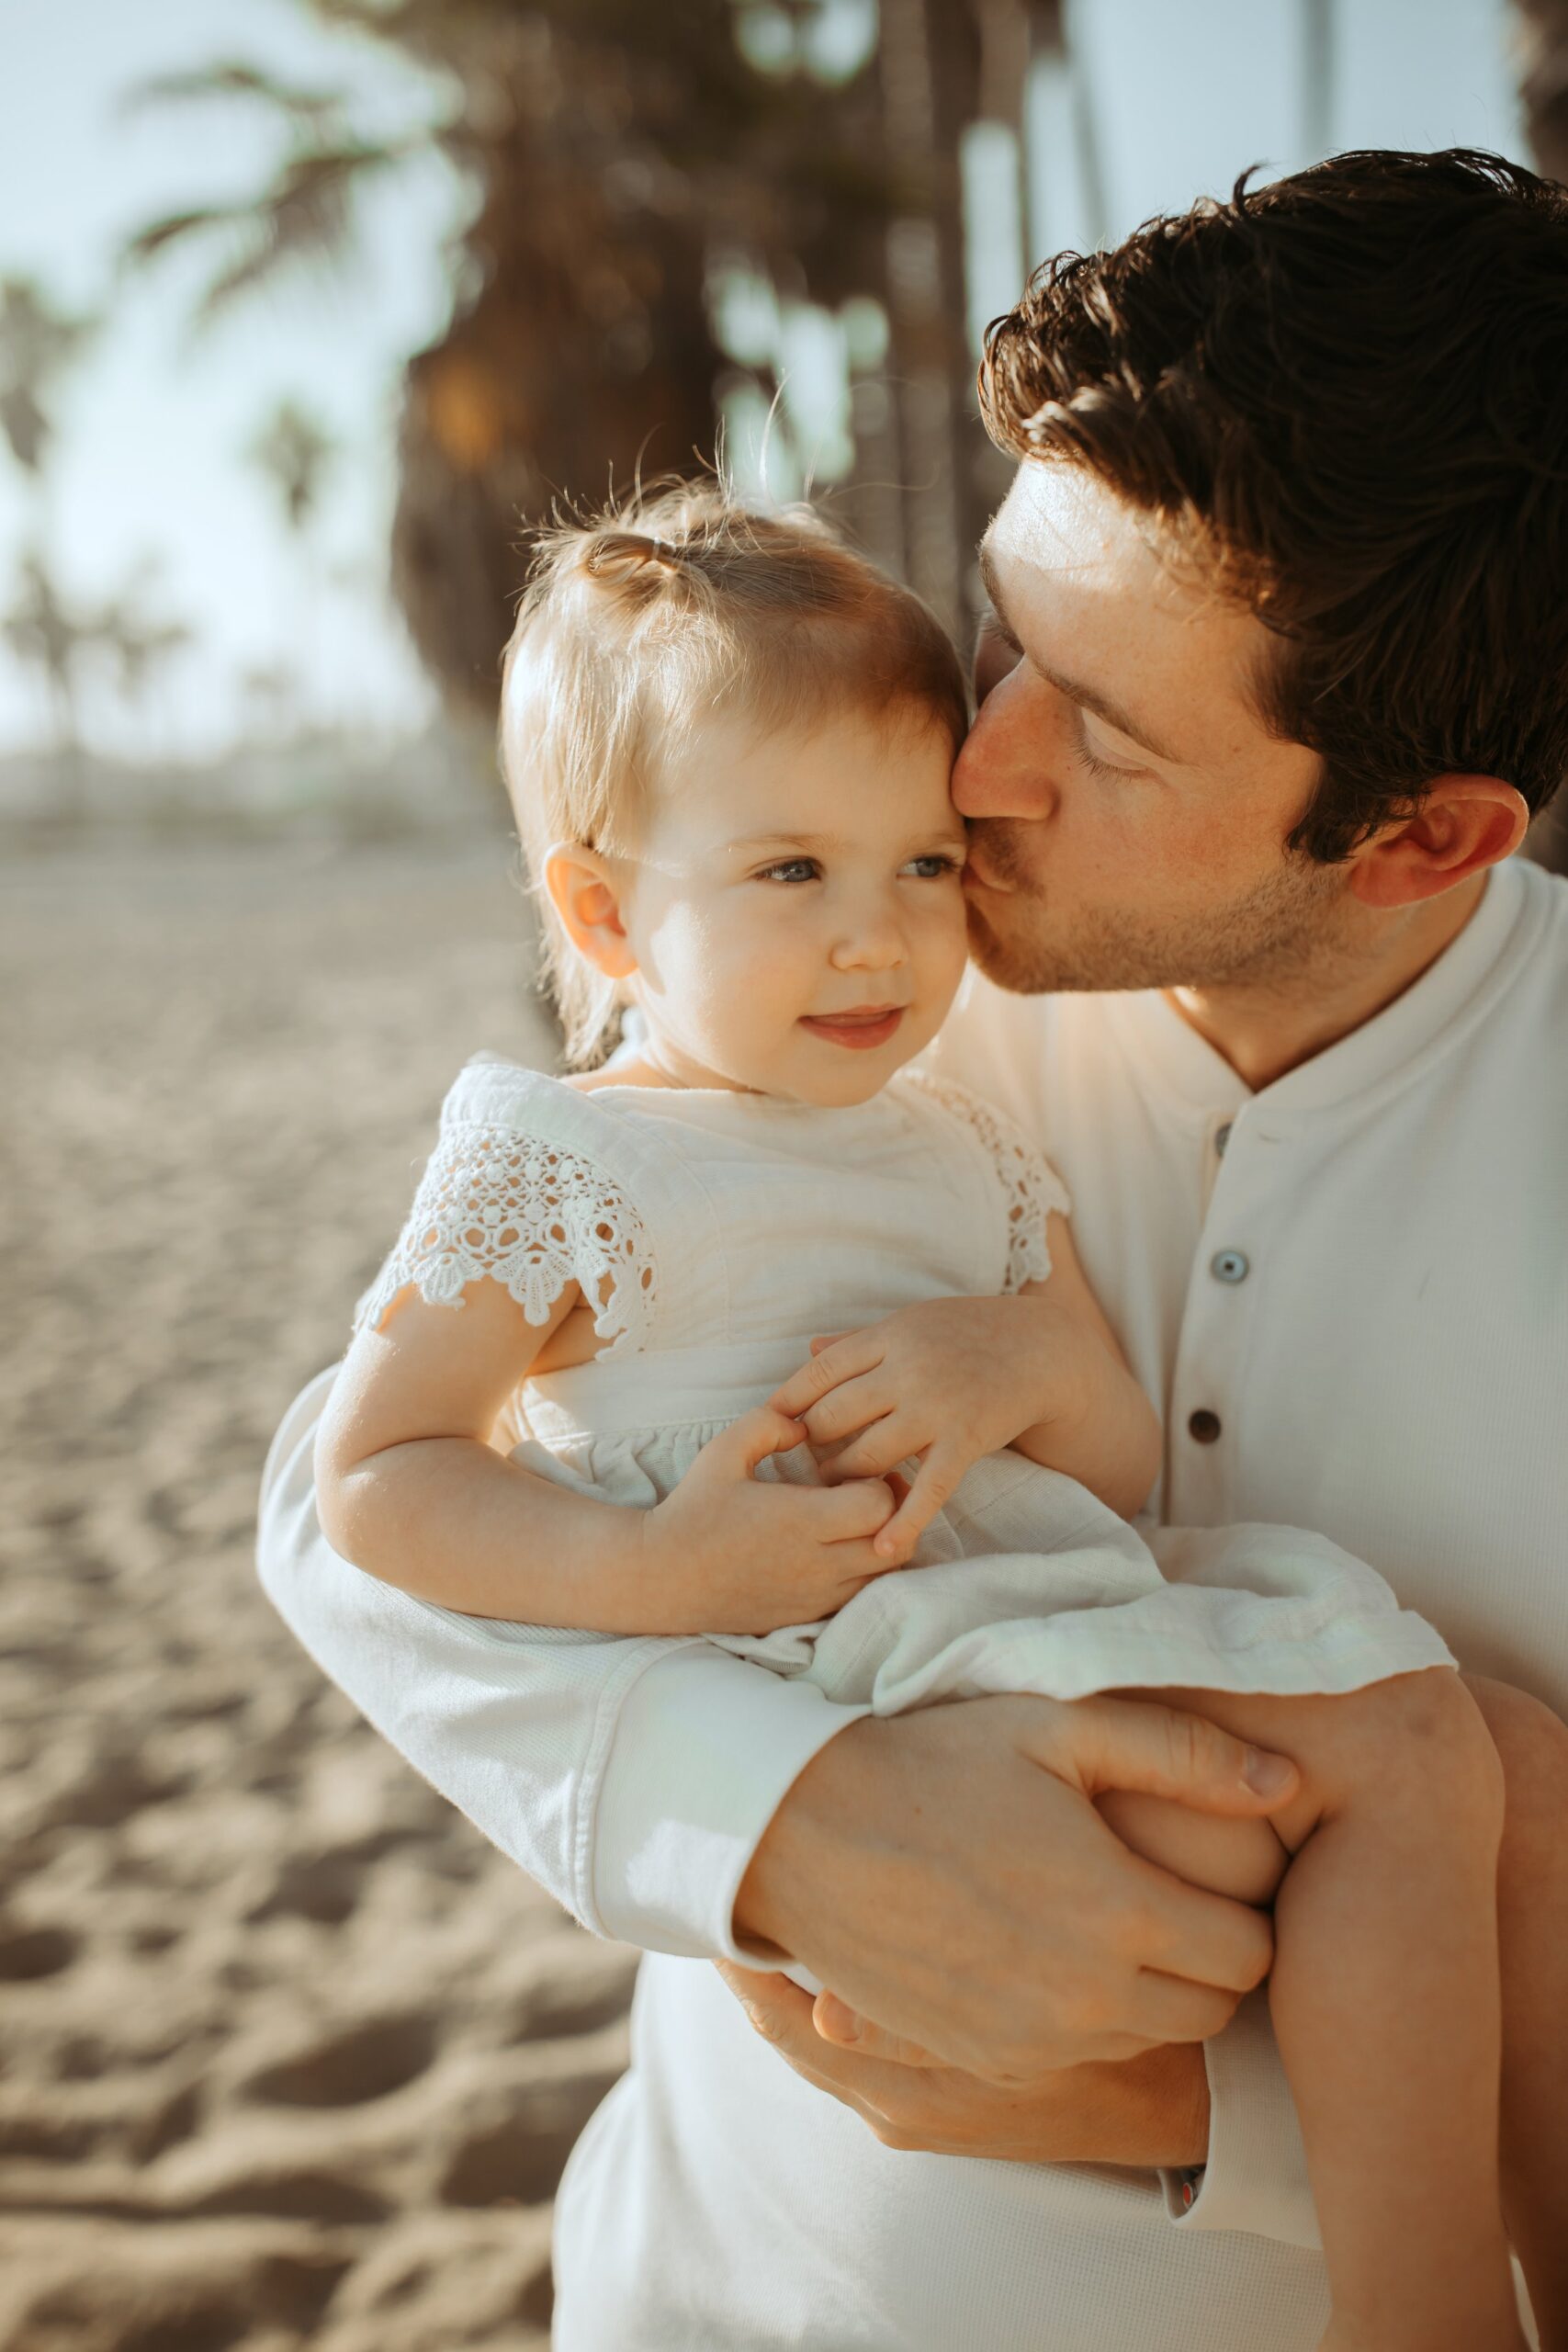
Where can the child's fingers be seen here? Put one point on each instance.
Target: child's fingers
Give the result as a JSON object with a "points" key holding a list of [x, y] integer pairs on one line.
{"points": [[751, 1440], [855, 1405], [879, 1447], [857, 1565], [856, 1508], [843, 1359], [935, 1482]]}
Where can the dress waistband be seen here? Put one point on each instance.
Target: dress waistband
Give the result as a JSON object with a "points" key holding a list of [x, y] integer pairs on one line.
{"points": [[659, 1389]]}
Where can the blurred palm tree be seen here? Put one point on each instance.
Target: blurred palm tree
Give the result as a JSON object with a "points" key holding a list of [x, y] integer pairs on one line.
{"points": [[1541, 41], [38, 344], [45, 632], [142, 645], [616, 157], [1541, 45], [294, 452]]}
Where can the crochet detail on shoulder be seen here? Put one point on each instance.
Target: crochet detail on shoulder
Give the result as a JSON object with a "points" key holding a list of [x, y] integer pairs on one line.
{"points": [[518, 1210], [1032, 1186]]}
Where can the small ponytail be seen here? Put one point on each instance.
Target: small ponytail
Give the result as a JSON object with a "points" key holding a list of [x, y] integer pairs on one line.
{"points": [[628, 559]]}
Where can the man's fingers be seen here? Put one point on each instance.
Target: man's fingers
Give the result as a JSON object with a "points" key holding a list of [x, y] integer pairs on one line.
{"points": [[782, 2014], [1174, 2010], [779, 2011], [1099, 1744], [836, 2022], [1205, 1939]]}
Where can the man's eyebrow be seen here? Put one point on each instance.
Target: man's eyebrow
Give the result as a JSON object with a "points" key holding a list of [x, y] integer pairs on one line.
{"points": [[1087, 698]]}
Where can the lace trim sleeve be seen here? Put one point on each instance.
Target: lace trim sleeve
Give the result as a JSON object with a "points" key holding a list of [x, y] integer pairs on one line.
{"points": [[1031, 1184], [526, 1213]]}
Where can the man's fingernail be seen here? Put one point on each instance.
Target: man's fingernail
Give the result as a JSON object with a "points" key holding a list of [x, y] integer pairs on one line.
{"points": [[845, 2025], [1268, 1774]]}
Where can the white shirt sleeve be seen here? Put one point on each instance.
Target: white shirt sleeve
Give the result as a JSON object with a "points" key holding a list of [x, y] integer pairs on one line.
{"points": [[632, 1778], [1256, 2176]]}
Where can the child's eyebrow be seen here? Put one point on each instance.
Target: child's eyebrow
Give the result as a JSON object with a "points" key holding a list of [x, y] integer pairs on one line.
{"points": [[787, 841], [951, 836]]}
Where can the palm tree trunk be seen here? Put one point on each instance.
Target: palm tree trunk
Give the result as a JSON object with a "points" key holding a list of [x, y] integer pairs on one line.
{"points": [[929, 90]]}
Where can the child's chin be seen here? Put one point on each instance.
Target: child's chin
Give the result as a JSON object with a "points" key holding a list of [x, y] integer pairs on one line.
{"points": [[863, 1076]]}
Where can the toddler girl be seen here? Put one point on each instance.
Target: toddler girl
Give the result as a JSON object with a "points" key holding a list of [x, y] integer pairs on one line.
{"points": [[728, 742]]}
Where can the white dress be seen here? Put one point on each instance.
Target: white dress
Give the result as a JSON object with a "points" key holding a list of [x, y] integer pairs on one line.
{"points": [[720, 1232]]}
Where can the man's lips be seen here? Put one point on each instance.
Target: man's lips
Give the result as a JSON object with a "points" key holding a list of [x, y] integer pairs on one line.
{"points": [[862, 1028]]}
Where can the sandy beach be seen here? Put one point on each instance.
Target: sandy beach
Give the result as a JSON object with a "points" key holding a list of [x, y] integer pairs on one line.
{"points": [[288, 2056]]}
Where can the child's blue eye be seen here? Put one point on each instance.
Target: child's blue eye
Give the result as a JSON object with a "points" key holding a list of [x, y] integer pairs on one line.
{"points": [[790, 869], [932, 869]]}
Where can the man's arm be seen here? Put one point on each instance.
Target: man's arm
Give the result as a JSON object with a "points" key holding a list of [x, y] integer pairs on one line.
{"points": [[1216, 2119], [631, 1778], [636, 1779]]}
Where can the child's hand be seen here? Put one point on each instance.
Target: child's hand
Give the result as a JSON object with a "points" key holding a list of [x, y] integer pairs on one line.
{"points": [[943, 1383], [735, 1554]]}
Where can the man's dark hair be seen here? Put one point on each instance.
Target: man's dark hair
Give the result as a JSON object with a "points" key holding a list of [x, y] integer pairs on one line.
{"points": [[1345, 395]]}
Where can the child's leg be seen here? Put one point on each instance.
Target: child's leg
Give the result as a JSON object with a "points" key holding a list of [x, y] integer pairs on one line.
{"points": [[1386, 2003], [1532, 1911]]}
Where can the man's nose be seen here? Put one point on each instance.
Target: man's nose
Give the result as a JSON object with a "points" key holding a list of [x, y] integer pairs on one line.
{"points": [[1002, 769]]}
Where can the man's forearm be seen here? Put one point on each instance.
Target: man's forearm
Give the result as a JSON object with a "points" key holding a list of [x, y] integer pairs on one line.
{"points": [[1150, 2112], [630, 1777]]}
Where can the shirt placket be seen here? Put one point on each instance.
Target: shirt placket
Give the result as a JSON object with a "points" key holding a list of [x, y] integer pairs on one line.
{"points": [[1207, 1397]]}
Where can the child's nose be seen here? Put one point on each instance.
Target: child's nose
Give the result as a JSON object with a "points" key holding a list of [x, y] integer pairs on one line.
{"points": [[875, 945]]}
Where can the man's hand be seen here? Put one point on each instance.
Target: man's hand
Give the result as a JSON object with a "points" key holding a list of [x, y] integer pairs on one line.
{"points": [[1149, 2112], [947, 1874]]}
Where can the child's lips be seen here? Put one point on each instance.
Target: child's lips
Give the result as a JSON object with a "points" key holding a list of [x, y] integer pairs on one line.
{"points": [[860, 1028]]}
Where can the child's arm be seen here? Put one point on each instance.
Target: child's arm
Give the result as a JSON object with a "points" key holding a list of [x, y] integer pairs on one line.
{"points": [[951, 1379], [410, 1488], [1099, 1425]]}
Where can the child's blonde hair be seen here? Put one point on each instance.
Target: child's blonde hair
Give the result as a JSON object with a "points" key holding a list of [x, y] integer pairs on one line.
{"points": [[666, 608]]}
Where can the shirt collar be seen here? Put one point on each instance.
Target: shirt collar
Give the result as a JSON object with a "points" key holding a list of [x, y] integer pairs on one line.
{"points": [[1430, 1014]]}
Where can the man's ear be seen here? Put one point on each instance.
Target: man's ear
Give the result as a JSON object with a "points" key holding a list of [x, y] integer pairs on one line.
{"points": [[1464, 824], [583, 893]]}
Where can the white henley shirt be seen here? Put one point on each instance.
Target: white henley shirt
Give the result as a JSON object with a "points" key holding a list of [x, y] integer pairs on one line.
{"points": [[1348, 1292]]}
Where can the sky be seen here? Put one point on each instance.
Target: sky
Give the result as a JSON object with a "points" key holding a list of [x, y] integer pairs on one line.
{"points": [[153, 427]]}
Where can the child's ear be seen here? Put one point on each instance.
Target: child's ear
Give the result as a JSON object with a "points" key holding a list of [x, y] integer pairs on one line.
{"points": [[582, 892]]}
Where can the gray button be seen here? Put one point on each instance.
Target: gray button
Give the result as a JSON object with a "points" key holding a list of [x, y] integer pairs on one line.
{"points": [[1221, 1136], [1229, 1266]]}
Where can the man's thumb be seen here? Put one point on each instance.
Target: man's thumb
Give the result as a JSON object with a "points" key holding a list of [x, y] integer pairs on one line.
{"points": [[1099, 1744]]}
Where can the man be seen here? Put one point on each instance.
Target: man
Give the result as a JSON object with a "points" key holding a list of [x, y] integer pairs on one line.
{"points": [[1281, 587]]}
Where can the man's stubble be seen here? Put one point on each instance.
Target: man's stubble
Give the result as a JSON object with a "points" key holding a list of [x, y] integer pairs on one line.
{"points": [[1289, 931]]}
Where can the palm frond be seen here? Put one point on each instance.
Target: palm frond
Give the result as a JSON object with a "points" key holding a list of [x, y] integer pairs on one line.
{"points": [[304, 216], [176, 228], [305, 107], [24, 425]]}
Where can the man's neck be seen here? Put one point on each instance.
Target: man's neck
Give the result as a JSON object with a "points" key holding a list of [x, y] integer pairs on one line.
{"points": [[1268, 1027]]}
